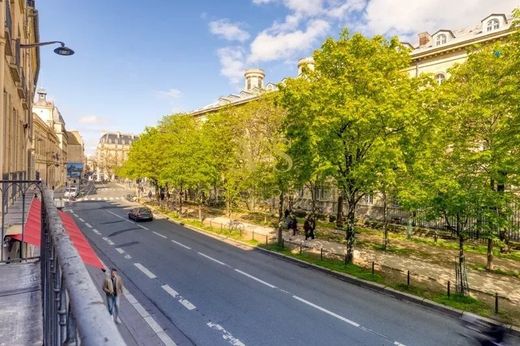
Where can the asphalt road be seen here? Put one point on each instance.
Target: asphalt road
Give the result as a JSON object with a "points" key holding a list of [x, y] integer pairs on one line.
{"points": [[203, 291]]}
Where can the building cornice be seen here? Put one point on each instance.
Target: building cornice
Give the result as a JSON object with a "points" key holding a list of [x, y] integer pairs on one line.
{"points": [[461, 45]]}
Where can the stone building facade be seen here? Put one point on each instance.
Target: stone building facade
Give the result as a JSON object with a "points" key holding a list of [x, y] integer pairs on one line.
{"points": [[46, 153], [111, 152], [19, 69], [47, 111]]}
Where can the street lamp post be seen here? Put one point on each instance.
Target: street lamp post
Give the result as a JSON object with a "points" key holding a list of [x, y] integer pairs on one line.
{"points": [[61, 50]]}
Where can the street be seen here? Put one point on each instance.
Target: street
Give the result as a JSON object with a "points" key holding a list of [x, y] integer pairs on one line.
{"points": [[202, 291]]}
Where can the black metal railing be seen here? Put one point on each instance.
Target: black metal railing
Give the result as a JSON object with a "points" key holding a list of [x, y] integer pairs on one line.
{"points": [[73, 310]]}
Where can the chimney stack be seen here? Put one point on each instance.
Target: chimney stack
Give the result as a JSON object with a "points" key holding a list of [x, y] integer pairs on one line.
{"points": [[424, 39]]}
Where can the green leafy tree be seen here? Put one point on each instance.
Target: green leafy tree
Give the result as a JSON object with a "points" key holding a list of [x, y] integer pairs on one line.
{"points": [[357, 95]]}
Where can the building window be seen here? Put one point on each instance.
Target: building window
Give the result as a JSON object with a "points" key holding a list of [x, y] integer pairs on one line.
{"points": [[441, 39], [493, 24], [440, 78]]}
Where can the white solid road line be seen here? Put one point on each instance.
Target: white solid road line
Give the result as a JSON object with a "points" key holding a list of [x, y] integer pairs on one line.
{"points": [[211, 258], [159, 234], [255, 278], [161, 334], [170, 291], [181, 244], [145, 271], [352, 323], [121, 251], [225, 334]]}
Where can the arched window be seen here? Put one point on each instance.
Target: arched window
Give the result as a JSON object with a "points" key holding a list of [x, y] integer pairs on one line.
{"points": [[441, 39], [440, 78], [493, 24]]}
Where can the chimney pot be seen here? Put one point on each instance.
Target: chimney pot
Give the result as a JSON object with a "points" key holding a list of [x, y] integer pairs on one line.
{"points": [[424, 39]]}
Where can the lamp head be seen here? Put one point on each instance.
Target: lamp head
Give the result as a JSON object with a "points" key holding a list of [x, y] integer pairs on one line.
{"points": [[64, 51]]}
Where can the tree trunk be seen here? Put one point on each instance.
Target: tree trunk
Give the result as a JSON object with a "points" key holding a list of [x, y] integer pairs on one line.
{"points": [[350, 234], [180, 202], [280, 218], [385, 223], [461, 282], [489, 263], [339, 213]]}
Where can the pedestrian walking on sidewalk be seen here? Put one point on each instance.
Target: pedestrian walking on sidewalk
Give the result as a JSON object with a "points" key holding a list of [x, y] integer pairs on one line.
{"points": [[113, 288]]}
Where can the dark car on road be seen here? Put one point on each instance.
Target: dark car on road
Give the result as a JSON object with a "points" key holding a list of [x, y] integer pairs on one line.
{"points": [[140, 214]]}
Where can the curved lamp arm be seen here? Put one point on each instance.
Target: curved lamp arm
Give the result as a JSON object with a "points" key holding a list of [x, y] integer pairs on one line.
{"points": [[62, 50]]}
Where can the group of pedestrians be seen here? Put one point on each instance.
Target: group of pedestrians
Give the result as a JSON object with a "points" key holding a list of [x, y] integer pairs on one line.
{"points": [[309, 224]]}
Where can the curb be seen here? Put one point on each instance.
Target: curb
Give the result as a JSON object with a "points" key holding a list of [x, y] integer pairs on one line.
{"points": [[443, 309]]}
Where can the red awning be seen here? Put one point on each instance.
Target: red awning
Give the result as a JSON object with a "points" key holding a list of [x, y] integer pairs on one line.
{"points": [[33, 231]]}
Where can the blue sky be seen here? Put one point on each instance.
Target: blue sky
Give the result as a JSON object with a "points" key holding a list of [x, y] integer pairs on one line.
{"points": [[137, 61]]}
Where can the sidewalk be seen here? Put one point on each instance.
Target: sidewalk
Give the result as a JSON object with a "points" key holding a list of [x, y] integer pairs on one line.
{"points": [[505, 286], [20, 304]]}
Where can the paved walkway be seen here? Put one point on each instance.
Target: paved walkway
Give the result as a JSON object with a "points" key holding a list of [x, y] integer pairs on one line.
{"points": [[20, 304], [505, 286]]}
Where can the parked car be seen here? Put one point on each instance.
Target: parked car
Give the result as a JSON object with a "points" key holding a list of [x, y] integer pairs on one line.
{"points": [[71, 192], [141, 214]]}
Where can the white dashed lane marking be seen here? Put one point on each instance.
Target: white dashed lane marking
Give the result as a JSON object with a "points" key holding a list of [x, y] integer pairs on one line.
{"points": [[170, 291], [187, 304], [346, 320], [161, 334], [160, 235], [255, 278], [96, 231], [143, 227], [225, 334], [121, 251], [145, 271], [212, 259], [181, 244], [80, 219], [88, 225]]}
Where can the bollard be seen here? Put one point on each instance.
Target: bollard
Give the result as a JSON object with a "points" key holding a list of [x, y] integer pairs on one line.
{"points": [[210, 225], [373, 271], [301, 249], [321, 254], [496, 302], [266, 241], [240, 231], [253, 235], [449, 288], [283, 243], [408, 279]]}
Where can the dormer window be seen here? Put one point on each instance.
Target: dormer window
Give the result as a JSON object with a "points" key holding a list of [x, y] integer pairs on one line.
{"points": [[441, 39], [493, 24], [440, 78]]}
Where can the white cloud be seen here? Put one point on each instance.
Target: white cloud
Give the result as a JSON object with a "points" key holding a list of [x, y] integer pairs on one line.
{"points": [[227, 30], [269, 46], [232, 63], [170, 93], [91, 120]]}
